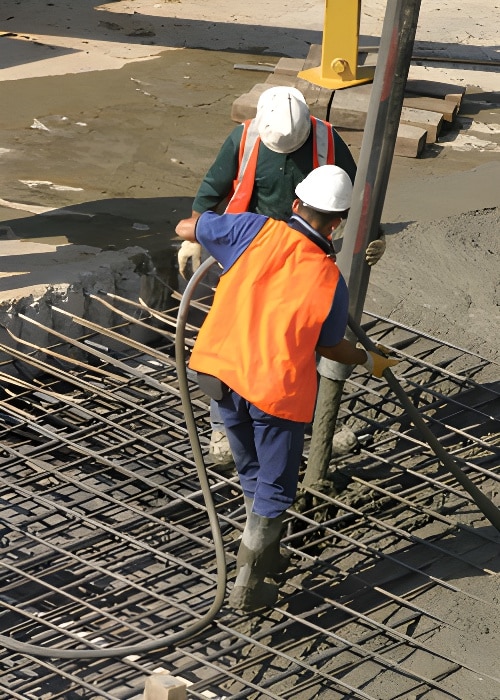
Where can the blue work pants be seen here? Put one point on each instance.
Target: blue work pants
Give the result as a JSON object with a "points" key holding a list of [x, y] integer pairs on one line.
{"points": [[267, 452], [215, 417]]}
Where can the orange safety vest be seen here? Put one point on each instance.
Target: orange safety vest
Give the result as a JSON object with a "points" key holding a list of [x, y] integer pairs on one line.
{"points": [[262, 330], [323, 154]]}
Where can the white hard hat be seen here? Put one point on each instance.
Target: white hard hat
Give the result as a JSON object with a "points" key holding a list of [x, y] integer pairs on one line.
{"points": [[283, 119], [327, 188]]}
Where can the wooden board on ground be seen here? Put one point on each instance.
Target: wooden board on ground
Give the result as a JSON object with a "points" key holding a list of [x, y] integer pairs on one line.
{"points": [[426, 104], [410, 140], [289, 66], [350, 107], [430, 121], [446, 108], [430, 88]]}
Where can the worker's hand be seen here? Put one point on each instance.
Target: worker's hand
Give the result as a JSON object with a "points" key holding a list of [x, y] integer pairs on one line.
{"points": [[375, 250], [189, 252], [376, 364]]}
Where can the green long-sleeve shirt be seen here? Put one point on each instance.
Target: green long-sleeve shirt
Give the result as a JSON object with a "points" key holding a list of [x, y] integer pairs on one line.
{"points": [[276, 177]]}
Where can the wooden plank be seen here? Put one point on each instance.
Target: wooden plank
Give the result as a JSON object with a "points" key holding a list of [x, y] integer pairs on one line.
{"points": [[433, 104], [281, 79], [347, 117], [254, 67], [455, 98], [289, 66], [431, 88], [349, 107], [163, 686], [357, 100], [410, 140], [430, 121]]}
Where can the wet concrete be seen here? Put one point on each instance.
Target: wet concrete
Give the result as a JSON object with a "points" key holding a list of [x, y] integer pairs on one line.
{"points": [[113, 158], [126, 149], [129, 145]]}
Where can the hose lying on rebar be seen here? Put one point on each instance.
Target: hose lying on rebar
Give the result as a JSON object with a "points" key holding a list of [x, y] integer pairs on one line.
{"points": [[488, 508], [205, 620]]}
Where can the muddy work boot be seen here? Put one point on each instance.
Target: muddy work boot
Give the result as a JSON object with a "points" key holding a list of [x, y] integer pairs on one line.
{"points": [[256, 554], [219, 450], [279, 562]]}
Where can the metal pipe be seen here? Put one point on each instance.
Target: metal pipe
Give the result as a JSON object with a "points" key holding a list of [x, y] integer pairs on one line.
{"points": [[363, 223], [377, 147]]}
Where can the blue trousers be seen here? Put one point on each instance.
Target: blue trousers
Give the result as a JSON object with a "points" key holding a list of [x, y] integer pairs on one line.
{"points": [[267, 453], [215, 417]]}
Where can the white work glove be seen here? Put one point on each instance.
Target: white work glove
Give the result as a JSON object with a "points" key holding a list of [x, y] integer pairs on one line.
{"points": [[189, 252], [375, 250], [377, 363]]}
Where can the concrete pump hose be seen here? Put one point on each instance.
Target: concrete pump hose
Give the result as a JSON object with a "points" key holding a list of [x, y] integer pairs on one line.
{"points": [[205, 620], [489, 510]]}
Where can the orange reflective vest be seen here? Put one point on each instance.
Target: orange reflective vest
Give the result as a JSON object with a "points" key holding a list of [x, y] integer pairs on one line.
{"points": [[262, 330], [323, 154]]}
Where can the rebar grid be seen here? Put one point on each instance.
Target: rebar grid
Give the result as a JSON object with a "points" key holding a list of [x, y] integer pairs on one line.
{"points": [[106, 542]]}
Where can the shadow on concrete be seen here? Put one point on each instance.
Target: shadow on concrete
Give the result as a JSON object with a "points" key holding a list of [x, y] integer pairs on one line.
{"points": [[117, 222], [169, 32], [18, 51], [185, 32], [106, 225]]}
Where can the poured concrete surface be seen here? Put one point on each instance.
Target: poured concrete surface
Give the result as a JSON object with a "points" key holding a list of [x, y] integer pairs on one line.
{"points": [[101, 147], [108, 132]]}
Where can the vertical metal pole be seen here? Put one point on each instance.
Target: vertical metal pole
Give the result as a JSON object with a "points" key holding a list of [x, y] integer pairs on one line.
{"points": [[377, 147], [362, 227]]}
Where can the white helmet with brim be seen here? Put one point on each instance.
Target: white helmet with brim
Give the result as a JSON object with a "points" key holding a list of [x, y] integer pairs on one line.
{"points": [[283, 119], [327, 189]]}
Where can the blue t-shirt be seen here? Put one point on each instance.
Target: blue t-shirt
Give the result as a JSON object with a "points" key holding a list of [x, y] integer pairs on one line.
{"points": [[227, 236]]}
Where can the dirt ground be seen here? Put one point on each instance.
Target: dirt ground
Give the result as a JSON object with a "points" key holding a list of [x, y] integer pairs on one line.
{"points": [[115, 111]]}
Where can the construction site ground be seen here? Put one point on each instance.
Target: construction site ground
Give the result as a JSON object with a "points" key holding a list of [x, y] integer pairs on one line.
{"points": [[115, 112], [111, 115]]}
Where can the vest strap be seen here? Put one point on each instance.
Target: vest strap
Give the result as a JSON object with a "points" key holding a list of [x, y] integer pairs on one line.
{"points": [[323, 154]]}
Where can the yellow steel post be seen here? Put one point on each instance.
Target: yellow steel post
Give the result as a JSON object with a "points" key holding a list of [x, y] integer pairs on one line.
{"points": [[339, 53]]}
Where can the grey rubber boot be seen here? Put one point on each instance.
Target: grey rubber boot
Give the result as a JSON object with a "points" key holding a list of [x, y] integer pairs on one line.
{"points": [[279, 562], [256, 553]]}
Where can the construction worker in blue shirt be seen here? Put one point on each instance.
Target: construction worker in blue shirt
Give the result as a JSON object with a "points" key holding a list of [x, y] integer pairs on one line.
{"points": [[280, 299], [257, 169]]}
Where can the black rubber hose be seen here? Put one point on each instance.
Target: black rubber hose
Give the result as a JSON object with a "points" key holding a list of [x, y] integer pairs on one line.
{"points": [[205, 620], [488, 508]]}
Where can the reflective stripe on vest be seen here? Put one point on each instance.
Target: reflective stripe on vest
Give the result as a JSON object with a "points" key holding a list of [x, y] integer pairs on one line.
{"points": [[323, 146], [247, 167], [262, 330], [323, 154]]}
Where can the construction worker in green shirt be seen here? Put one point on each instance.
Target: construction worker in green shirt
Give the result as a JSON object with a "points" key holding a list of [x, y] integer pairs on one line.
{"points": [[257, 169]]}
